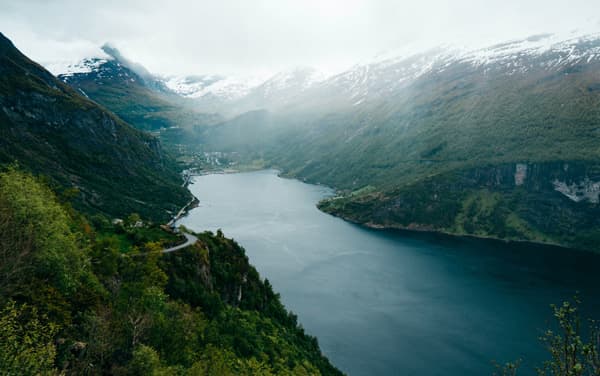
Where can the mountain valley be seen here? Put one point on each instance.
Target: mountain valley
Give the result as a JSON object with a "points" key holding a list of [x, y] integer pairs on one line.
{"points": [[455, 169]]}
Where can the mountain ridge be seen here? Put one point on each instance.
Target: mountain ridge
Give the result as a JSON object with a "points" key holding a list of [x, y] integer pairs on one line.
{"points": [[220, 93], [50, 129]]}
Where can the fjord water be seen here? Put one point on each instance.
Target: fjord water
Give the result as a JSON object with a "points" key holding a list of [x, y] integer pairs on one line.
{"points": [[391, 303]]}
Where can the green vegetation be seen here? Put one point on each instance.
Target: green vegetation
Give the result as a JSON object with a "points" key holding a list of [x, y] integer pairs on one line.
{"points": [[26, 344], [83, 296], [480, 202], [571, 354], [441, 154], [574, 350]]}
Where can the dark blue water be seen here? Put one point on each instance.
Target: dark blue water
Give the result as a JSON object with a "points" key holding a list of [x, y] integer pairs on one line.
{"points": [[391, 303]]}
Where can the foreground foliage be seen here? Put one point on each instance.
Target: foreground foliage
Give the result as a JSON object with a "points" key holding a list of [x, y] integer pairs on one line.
{"points": [[572, 353], [573, 349], [83, 296], [26, 344]]}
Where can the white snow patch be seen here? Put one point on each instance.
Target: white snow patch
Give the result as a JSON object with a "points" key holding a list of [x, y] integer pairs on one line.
{"points": [[229, 88], [71, 67]]}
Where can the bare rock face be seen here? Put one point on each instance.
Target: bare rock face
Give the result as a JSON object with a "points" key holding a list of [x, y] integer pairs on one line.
{"points": [[204, 272], [520, 173], [584, 190]]}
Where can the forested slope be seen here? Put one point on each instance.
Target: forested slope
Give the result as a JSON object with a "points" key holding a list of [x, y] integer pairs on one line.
{"points": [[87, 297]]}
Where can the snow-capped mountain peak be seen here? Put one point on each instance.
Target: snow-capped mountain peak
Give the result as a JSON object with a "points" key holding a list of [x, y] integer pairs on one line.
{"points": [[298, 78], [515, 53], [226, 88], [377, 79], [389, 73], [87, 65], [233, 88]]}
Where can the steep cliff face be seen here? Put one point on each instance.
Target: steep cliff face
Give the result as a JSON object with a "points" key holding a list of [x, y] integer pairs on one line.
{"points": [[553, 202], [48, 128], [243, 311], [218, 267], [534, 176]]}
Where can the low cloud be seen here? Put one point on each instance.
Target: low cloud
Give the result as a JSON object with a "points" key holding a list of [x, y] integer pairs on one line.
{"points": [[246, 37]]}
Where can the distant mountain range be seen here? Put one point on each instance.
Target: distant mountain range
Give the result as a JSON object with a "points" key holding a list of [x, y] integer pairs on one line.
{"points": [[205, 94], [362, 84]]}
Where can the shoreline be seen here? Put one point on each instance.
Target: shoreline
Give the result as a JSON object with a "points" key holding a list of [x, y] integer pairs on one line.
{"points": [[184, 210], [399, 228], [188, 176], [449, 235]]}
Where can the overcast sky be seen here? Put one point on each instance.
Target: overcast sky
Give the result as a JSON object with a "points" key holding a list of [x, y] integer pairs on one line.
{"points": [[260, 36]]}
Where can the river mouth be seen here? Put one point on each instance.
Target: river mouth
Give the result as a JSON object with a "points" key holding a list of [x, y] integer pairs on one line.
{"points": [[390, 302]]}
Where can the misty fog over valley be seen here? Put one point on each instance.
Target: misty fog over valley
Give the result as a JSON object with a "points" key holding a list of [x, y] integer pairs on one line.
{"points": [[299, 187]]}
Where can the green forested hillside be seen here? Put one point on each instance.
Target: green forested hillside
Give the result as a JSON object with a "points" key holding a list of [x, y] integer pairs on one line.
{"points": [[446, 151], [86, 297], [86, 151]]}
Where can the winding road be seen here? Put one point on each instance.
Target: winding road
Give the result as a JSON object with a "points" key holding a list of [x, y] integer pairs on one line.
{"points": [[190, 239]]}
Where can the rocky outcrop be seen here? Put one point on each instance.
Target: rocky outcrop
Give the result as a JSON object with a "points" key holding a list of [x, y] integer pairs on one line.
{"points": [[535, 176], [520, 173], [584, 190]]}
